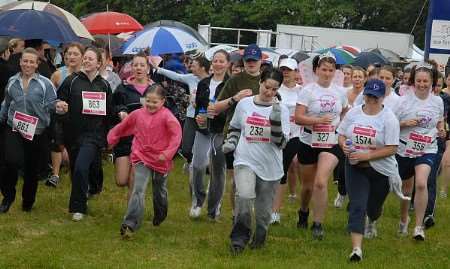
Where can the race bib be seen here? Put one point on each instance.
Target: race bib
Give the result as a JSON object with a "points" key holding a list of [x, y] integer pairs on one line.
{"points": [[25, 125], [323, 136], [417, 144], [257, 130], [94, 103], [364, 138]]}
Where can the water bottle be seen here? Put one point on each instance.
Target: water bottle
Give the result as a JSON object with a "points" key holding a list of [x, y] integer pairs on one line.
{"points": [[203, 113], [212, 101], [349, 143]]}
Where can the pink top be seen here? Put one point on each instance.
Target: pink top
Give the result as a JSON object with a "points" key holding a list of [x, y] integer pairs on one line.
{"points": [[139, 87], [154, 134]]}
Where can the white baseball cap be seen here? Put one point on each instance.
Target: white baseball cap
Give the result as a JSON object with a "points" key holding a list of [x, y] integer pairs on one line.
{"points": [[289, 63]]}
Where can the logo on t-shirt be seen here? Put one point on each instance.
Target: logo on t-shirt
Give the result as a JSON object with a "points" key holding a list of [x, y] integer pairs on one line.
{"points": [[255, 114], [424, 117], [327, 103]]}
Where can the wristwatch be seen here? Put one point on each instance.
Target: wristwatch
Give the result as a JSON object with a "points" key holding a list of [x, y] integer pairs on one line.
{"points": [[231, 102]]}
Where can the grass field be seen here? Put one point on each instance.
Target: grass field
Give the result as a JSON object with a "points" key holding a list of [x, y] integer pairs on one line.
{"points": [[47, 238]]}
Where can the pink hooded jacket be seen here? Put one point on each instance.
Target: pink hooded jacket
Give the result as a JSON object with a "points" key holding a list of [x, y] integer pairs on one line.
{"points": [[154, 134]]}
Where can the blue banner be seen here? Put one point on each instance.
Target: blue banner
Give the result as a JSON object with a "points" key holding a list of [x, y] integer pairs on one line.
{"points": [[437, 39]]}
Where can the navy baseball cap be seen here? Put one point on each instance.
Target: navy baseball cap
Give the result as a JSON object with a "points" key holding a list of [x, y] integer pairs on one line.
{"points": [[252, 52], [375, 87]]}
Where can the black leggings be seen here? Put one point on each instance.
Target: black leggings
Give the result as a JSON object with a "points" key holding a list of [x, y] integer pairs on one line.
{"points": [[24, 154], [289, 153]]}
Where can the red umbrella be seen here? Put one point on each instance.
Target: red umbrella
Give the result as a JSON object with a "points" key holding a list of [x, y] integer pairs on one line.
{"points": [[110, 23]]}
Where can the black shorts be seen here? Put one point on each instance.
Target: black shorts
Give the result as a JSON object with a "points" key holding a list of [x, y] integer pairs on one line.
{"points": [[309, 155], [229, 158], [289, 152], [123, 148], [406, 165]]}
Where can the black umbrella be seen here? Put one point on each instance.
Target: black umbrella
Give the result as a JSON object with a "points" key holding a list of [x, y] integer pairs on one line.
{"points": [[116, 43], [388, 54], [366, 58], [300, 56]]}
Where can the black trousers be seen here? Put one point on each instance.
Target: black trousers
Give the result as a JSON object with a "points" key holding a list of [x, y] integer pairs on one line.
{"points": [[81, 160], [21, 153]]}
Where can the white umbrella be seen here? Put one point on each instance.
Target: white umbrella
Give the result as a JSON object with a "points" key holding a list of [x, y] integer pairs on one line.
{"points": [[162, 40], [73, 22], [209, 53]]}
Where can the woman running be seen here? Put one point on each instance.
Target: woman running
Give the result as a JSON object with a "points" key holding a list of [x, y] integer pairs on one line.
{"points": [[368, 135], [127, 98], [85, 126], [319, 109], [29, 101], [421, 122], [73, 56], [263, 125], [209, 140], [289, 92]]}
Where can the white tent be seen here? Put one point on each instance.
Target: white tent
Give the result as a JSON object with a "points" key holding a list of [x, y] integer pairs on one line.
{"points": [[4, 2], [416, 54]]}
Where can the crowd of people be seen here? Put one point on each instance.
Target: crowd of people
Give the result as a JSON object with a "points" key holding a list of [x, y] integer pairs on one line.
{"points": [[251, 123]]}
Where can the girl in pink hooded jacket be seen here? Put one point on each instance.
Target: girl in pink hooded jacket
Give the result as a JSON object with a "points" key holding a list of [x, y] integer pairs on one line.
{"points": [[157, 136]]}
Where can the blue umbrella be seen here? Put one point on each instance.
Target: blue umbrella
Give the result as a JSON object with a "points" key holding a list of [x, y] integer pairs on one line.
{"points": [[33, 24], [162, 40]]}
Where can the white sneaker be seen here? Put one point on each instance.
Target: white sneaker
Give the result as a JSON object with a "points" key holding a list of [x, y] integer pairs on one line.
{"points": [[419, 233], [370, 230], [403, 228], [339, 201], [356, 255], [195, 212], [186, 168], [292, 198], [77, 216], [275, 218]]}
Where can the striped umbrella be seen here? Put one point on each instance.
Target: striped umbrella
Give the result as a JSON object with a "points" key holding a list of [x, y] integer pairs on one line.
{"points": [[352, 49], [73, 22], [342, 56], [162, 40]]}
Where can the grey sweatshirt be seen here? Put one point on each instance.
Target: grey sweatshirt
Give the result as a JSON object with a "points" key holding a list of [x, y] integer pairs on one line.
{"points": [[39, 101]]}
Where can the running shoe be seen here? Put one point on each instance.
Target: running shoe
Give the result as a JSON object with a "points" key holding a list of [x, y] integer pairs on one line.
{"points": [[403, 228], [302, 219], [292, 198], [339, 201], [356, 255], [77, 216], [370, 230], [317, 231], [195, 212], [236, 249], [428, 221], [126, 232], [52, 181], [275, 218], [419, 233]]}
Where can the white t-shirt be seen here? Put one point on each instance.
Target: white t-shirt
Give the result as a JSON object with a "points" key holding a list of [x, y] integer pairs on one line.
{"points": [[321, 101], [418, 140], [212, 88], [390, 101], [254, 148], [289, 97]]}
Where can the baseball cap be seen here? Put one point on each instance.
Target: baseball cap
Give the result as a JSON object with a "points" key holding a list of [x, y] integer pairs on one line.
{"points": [[289, 63], [375, 87], [252, 52]]}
